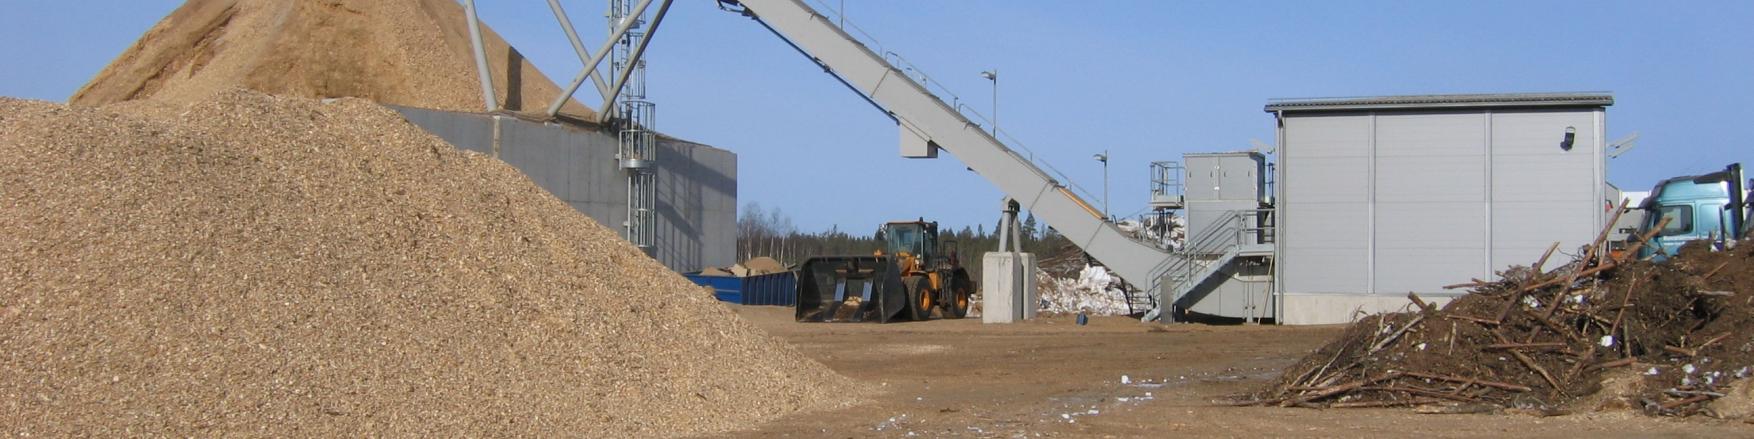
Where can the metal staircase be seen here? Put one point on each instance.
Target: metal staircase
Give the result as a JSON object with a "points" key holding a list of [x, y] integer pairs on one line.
{"points": [[1239, 233], [1140, 301]]}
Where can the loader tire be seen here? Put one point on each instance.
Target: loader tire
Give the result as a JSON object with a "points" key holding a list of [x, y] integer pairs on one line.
{"points": [[919, 298], [961, 289]]}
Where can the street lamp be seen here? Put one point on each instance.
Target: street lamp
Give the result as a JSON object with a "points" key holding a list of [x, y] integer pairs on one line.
{"points": [[1103, 157], [993, 75]]}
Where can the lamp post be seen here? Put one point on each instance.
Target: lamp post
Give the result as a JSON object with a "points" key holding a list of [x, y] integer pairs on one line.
{"points": [[1103, 157], [993, 75]]}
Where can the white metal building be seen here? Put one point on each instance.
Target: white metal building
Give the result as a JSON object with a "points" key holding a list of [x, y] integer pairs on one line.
{"points": [[1378, 197]]}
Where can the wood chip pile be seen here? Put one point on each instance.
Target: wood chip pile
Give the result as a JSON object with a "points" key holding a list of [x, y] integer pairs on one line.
{"points": [[404, 52], [269, 266], [1543, 341]]}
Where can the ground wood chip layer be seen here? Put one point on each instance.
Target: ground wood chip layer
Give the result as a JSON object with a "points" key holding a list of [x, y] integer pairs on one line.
{"points": [[276, 266], [1599, 333]]}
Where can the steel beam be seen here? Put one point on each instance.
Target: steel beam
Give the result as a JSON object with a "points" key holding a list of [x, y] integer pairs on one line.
{"points": [[578, 46], [597, 57], [481, 70], [638, 52]]}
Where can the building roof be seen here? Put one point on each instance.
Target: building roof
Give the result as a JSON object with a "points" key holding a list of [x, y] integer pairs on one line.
{"points": [[1419, 102]]}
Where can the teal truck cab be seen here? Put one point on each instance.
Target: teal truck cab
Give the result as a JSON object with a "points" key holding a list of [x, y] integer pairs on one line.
{"points": [[1701, 207]]}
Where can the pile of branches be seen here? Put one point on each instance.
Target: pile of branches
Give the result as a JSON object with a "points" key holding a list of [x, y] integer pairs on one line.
{"points": [[1539, 340]]}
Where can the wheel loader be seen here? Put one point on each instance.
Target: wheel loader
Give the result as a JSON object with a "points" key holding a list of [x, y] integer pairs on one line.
{"points": [[910, 276]]}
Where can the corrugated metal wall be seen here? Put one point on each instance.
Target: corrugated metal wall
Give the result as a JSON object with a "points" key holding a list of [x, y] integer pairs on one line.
{"points": [[697, 184], [1384, 203]]}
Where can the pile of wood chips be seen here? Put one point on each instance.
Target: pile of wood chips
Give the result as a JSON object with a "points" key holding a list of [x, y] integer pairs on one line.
{"points": [[1542, 341], [413, 53], [269, 266]]}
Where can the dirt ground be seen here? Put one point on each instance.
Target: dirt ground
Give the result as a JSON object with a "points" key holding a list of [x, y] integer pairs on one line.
{"points": [[1052, 378]]}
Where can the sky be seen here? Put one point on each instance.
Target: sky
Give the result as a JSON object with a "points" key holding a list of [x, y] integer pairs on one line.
{"points": [[1142, 80]]}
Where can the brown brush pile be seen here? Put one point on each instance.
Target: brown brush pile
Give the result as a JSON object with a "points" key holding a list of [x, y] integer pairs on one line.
{"points": [[268, 266], [404, 52], [1544, 341]]}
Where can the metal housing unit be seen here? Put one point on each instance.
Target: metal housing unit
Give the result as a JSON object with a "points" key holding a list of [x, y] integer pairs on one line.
{"points": [[1379, 197]]}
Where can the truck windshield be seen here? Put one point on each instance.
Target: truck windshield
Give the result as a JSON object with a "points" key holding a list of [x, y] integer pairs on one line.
{"points": [[1680, 220]]}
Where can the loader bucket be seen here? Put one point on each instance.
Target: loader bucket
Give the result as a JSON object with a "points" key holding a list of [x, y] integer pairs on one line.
{"points": [[850, 289]]}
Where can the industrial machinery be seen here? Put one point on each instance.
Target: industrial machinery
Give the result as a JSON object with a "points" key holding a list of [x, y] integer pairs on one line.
{"points": [[912, 274]]}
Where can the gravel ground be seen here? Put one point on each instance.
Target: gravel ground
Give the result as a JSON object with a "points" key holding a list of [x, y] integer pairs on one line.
{"points": [[286, 267]]}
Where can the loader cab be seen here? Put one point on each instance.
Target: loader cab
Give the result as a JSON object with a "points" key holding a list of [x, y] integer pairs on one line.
{"points": [[917, 238], [1703, 207]]}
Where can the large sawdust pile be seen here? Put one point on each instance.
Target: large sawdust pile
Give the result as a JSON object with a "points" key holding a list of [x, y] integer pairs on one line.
{"points": [[260, 265], [1667, 338], [405, 52]]}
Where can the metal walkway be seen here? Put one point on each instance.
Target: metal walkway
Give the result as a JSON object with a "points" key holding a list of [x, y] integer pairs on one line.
{"points": [[927, 123]]}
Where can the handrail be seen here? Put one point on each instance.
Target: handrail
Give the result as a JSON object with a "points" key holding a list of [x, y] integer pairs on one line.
{"points": [[1221, 238]]}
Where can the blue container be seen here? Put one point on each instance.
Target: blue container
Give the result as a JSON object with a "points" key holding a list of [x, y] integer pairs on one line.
{"points": [[777, 289]]}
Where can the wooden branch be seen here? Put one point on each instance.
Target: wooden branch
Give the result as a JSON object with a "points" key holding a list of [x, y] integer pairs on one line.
{"points": [[1612, 327], [1505, 346], [1671, 405], [1396, 335], [1384, 403], [1530, 363], [1557, 281], [1423, 307], [1714, 271], [1557, 328], [1536, 269], [1716, 339], [1337, 389], [1475, 381], [1423, 392], [1681, 351], [1588, 256], [1488, 322], [1474, 284], [1632, 251]]}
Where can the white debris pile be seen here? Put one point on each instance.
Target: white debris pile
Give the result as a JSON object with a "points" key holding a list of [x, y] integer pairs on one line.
{"points": [[1094, 291], [1169, 233]]}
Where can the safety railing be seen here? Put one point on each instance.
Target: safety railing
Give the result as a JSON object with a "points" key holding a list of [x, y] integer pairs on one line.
{"points": [[1166, 182], [1222, 238]]}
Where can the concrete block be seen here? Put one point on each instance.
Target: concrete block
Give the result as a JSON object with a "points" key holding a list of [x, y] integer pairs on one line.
{"points": [[1008, 287]]}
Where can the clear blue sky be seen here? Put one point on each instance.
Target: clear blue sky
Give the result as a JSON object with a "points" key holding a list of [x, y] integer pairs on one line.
{"points": [[1147, 80]]}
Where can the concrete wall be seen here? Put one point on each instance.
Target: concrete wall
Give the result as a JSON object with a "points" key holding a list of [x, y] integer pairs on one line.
{"points": [[1377, 204], [697, 184]]}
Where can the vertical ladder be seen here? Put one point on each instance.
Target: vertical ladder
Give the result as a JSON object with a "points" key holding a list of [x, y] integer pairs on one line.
{"points": [[638, 148]]}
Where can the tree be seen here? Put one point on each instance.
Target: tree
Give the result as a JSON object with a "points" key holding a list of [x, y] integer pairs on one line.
{"points": [[779, 223], [1029, 231], [751, 219]]}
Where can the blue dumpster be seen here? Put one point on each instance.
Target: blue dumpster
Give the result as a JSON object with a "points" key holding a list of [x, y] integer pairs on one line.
{"points": [[777, 289]]}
